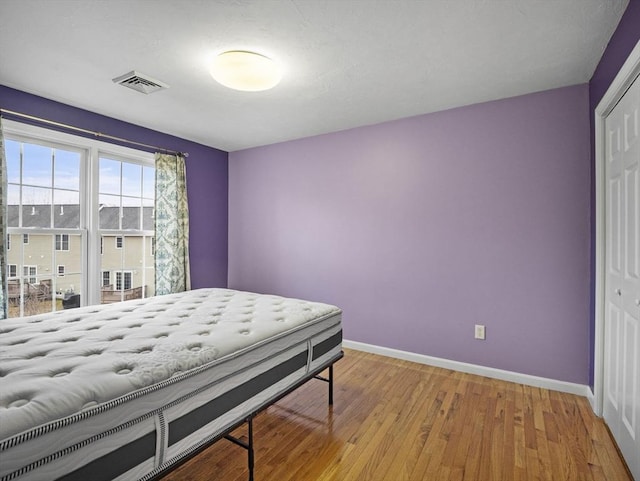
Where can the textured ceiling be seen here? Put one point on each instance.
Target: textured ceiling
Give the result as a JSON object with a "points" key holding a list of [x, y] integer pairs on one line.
{"points": [[347, 62]]}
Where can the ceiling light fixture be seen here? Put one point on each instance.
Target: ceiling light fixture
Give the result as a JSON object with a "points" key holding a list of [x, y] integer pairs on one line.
{"points": [[248, 71]]}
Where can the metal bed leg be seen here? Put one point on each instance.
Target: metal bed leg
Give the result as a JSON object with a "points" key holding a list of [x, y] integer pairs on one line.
{"points": [[250, 449], [331, 385], [248, 445], [249, 420], [330, 381]]}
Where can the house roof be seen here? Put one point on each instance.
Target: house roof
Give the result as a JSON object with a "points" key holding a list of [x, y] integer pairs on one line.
{"points": [[67, 216]]}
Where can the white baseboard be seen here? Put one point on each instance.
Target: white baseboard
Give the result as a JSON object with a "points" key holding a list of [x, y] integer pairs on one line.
{"points": [[592, 401], [542, 382]]}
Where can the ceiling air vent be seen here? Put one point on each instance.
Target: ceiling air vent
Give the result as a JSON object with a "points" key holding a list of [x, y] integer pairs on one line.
{"points": [[140, 82]]}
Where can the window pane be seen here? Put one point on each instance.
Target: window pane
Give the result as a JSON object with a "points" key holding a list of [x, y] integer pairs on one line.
{"points": [[66, 209], [67, 170], [127, 272], [12, 153], [147, 216], [39, 288], [28, 294], [109, 182], [109, 212], [131, 218], [13, 205], [131, 179], [36, 196], [136, 200], [149, 182], [36, 165], [36, 207]]}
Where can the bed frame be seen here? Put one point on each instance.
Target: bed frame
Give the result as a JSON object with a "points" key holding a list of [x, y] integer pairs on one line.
{"points": [[248, 445]]}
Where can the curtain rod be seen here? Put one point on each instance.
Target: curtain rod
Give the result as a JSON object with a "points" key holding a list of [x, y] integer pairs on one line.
{"points": [[99, 135]]}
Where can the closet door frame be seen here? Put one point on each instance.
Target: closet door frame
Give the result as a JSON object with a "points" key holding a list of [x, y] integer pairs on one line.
{"points": [[623, 80]]}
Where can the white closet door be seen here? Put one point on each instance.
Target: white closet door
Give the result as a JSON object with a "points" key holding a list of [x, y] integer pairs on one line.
{"points": [[622, 283]]}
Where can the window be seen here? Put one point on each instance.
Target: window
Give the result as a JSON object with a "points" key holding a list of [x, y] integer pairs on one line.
{"points": [[106, 278], [49, 176], [62, 242], [123, 280], [126, 193], [30, 274], [8, 242], [12, 270]]}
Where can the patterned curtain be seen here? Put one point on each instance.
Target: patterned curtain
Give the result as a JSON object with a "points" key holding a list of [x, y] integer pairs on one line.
{"points": [[171, 225], [3, 229]]}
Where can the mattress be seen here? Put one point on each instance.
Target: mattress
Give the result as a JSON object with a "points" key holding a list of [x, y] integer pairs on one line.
{"points": [[124, 391]]}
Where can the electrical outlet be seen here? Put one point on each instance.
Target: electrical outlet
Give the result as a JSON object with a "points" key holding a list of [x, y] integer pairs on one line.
{"points": [[480, 331]]}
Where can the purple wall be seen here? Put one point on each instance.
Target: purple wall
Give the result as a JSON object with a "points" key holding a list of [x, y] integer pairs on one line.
{"points": [[422, 227], [622, 42], [207, 178]]}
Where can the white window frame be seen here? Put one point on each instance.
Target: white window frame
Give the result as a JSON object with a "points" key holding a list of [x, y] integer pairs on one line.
{"points": [[89, 215], [102, 278], [120, 244], [12, 268], [25, 239], [60, 270]]}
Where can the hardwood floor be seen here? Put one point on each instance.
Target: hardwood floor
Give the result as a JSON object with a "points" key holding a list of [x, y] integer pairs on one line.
{"points": [[400, 421]]}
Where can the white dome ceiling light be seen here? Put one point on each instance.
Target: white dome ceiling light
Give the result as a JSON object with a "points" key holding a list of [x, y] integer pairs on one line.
{"points": [[247, 71]]}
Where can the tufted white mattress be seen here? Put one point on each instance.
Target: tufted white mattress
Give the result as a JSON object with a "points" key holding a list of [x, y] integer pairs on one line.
{"points": [[123, 391]]}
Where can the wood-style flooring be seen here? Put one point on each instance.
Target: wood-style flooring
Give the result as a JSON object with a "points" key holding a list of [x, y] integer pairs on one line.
{"points": [[401, 421]]}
